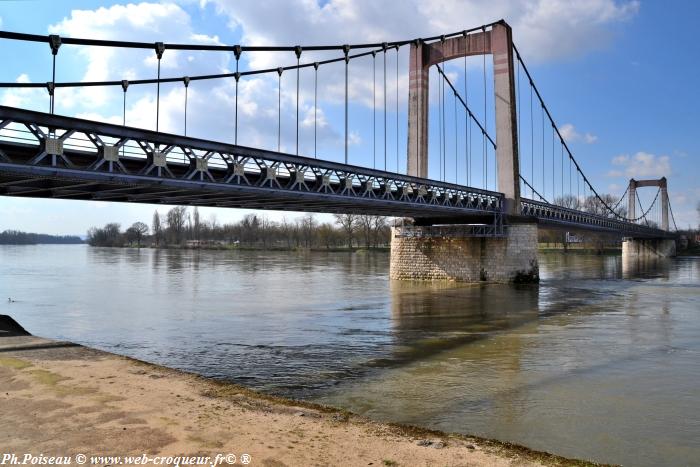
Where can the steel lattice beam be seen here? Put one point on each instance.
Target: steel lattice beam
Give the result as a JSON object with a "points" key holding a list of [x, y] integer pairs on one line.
{"points": [[52, 156], [156, 167]]}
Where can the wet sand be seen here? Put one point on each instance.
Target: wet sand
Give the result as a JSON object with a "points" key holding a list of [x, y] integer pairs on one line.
{"points": [[62, 399]]}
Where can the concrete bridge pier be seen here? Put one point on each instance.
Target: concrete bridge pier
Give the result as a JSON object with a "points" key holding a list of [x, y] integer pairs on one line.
{"points": [[454, 253], [648, 248]]}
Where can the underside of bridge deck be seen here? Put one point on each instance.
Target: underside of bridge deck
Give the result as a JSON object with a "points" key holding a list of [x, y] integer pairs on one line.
{"points": [[51, 156]]}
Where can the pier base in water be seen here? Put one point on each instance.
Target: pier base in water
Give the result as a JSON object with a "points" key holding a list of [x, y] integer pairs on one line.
{"points": [[648, 248], [421, 253]]}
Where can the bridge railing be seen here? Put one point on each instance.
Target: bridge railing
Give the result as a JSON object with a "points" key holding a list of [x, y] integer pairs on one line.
{"points": [[560, 215], [62, 144]]}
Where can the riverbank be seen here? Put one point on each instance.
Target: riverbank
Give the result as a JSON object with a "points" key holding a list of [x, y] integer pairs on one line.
{"points": [[582, 249], [233, 247], [104, 404]]}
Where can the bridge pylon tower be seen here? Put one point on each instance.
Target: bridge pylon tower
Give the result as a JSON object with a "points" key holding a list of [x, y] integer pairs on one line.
{"points": [[632, 198], [636, 248], [497, 42]]}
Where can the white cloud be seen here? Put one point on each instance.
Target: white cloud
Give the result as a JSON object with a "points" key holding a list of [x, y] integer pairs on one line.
{"points": [[641, 165], [589, 138], [296, 21], [148, 22], [542, 29], [569, 133], [27, 98], [210, 103]]}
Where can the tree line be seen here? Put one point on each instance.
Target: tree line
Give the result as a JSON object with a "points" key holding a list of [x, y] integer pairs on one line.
{"points": [[180, 227], [593, 205], [17, 237]]}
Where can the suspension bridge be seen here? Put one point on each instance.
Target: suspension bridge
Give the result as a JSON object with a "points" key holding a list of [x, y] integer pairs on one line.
{"points": [[504, 169]]}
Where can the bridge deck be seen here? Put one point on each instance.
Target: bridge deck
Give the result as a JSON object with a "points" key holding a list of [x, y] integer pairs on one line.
{"points": [[100, 161], [50, 156]]}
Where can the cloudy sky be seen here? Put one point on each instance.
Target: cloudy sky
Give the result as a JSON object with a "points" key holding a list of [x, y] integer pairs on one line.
{"points": [[618, 75]]}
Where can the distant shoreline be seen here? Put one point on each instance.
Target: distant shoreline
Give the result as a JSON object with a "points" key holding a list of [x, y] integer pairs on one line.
{"points": [[252, 248], [82, 242], [17, 237]]}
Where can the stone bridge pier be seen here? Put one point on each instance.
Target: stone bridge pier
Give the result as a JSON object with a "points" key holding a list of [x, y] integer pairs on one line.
{"points": [[648, 248], [467, 252], [455, 253]]}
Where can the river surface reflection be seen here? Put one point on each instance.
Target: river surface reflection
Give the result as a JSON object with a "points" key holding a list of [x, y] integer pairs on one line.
{"points": [[600, 361]]}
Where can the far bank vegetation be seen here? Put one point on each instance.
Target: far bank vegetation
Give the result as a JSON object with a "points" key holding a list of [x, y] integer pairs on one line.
{"points": [[182, 228]]}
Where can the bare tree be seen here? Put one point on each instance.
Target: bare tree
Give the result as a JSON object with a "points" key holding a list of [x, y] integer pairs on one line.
{"points": [[308, 228], [249, 229], [326, 234], [139, 230], [287, 230], [196, 224], [366, 222], [380, 230], [157, 227], [568, 201], [349, 223], [177, 218], [109, 235], [595, 205], [265, 230]]}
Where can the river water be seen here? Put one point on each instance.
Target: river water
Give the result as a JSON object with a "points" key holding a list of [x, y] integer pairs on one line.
{"points": [[600, 361]]}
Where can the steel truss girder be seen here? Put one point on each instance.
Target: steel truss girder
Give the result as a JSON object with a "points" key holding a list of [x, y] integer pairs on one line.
{"points": [[549, 213], [209, 173], [204, 169]]}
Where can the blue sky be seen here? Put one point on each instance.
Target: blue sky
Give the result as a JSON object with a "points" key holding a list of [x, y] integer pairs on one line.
{"points": [[619, 77]]}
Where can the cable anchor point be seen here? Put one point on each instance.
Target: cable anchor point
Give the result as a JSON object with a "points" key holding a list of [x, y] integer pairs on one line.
{"points": [[159, 48], [54, 43]]}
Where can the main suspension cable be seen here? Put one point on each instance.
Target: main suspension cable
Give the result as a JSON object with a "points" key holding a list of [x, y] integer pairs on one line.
{"points": [[587, 183], [227, 48], [464, 104]]}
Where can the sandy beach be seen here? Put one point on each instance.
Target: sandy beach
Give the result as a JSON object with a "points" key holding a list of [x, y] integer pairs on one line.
{"points": [[61, 399]]}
